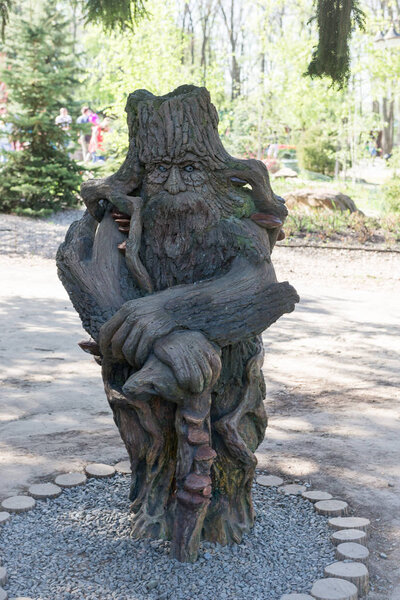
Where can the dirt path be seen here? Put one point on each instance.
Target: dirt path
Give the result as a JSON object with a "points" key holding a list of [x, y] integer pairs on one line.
{"points": [[333, 368], [332, 371]]}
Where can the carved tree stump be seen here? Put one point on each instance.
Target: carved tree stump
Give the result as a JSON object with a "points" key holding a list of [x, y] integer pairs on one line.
{"points": [[170, 272]]}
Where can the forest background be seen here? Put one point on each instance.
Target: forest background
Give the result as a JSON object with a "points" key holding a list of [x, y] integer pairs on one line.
{"points": [[252, 56]]}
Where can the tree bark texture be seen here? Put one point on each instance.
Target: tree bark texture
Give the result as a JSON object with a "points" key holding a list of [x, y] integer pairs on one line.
{"points": [[170, 271]]}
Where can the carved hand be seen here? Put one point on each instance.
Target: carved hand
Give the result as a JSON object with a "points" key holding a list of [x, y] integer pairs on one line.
{"points": [[130, 334], [194, 360], [184, 364], [226, 310]]}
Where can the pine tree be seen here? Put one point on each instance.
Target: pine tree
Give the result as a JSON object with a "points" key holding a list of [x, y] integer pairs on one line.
{"points": [[40, 75]]}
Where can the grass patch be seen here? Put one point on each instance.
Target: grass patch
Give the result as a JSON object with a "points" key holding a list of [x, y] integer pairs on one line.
{"points": [[343, 228]]}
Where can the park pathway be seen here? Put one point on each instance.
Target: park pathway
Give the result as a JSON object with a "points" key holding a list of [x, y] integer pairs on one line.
{"points": [[332, 373]]}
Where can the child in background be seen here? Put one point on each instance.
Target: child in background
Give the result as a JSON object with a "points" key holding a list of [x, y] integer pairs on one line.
{"points": [[96, 146]]}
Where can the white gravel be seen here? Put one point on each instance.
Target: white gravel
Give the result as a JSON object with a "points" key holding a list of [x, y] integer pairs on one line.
{"points": [[24, 236], [78, 547]]}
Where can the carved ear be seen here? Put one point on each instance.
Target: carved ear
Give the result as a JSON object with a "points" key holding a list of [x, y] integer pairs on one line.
{"points": [[255, 174]]}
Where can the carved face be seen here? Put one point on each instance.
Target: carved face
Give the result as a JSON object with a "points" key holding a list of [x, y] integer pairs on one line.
{"points": [[174, 177], [183, 186]]}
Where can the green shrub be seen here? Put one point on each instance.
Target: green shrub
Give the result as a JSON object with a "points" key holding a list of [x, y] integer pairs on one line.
{"points": [[391, 195], [41, 75], [42, 182], [391, 189], [316, 150]]}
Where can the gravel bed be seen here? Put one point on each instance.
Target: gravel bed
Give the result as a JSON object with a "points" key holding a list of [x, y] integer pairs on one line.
{"points": [[24, 236], [78, 547]]}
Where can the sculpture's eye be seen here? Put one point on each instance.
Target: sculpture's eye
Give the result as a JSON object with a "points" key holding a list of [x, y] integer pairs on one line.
{"points": [[189, 168], [162, 168]]}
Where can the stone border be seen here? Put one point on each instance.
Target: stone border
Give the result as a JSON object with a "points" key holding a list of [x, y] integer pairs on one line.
{"points": [[343, 580]]}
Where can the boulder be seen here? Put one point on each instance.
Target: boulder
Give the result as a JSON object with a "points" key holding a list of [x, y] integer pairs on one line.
{"points": [[286, 172], [319, 199]]}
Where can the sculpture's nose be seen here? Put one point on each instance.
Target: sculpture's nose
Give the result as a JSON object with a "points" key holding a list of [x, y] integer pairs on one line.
{"points": [[174, 183]]}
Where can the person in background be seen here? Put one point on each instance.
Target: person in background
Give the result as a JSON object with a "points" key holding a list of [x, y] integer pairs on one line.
{"points": [[273, 148], [96, 145], [64, 119], [85, 136], [371, 145], [94, 118], [94, 121]]}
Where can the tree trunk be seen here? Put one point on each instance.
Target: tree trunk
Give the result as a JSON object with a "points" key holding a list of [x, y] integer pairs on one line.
{"points": [[388, 125], [172, 277], [233, 26]]}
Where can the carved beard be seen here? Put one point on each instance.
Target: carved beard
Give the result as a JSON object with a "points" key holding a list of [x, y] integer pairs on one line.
{"points": [[180, 238]]}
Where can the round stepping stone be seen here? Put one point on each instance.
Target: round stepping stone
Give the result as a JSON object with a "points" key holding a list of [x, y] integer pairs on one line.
{"points": [[99, 470], [296, 597], [3, 594], [69, 480], [4, 517], [332, 508], [349, 535], [124, 467], [269, 480], [334, 589], [18, 504], [44, 490], [355, 572], [352, 551], [349, 523], [3, 576], [292, 489], [317, 495]]}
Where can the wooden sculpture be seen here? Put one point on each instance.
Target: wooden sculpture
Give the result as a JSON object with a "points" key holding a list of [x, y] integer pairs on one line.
{"points": [[170, 271]]}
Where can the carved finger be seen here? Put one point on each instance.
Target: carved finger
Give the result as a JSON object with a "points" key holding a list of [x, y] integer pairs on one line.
{"points": [[192, 357], [131, 343], [202, 362], [189, 372], [149, 335], [108, 329], [216, 365], [118, 340], [208, 358], [206, 372]]}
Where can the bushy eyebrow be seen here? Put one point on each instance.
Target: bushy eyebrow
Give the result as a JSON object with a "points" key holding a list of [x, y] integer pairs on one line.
{"points": [[195, 163]]}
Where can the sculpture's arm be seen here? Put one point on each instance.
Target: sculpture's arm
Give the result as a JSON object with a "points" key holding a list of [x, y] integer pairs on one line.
{"points": [[227, 309]]}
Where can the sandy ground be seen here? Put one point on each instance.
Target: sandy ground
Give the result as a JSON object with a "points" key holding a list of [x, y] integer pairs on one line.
{"points": [[332, 372]]}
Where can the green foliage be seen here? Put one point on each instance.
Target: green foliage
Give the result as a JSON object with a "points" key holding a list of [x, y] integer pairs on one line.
{"points": [[316, 150], [336, 19], [40, 75], [111, 14], [322, 222], [391, 195], [47, 180], [343, 227], [391, 189], [152, 58]]}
